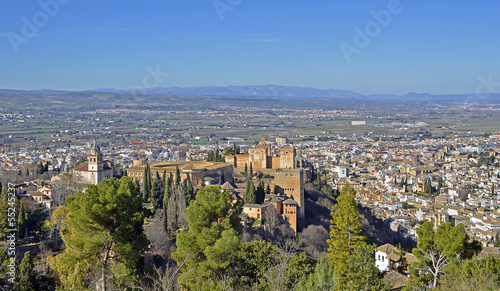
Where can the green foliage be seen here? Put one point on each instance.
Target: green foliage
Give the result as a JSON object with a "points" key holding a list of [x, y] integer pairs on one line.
{"points": [[25, 275], [166, 197], [363, 274], [436, 250], [406, 205], [298, 267], [233, 150], [345, 229], [40, 169], [215, 156], [3, 211], [255, 257], [177, 180], [268, 189], [103, 234], [208, 244], [260, 193], [146, 183], [80, 161], [156, 195], [324, 277], [21, 222], [473, 274], [250, 196]]}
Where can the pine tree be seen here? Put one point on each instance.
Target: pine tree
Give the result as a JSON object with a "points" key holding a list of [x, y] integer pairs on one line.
{"points": [[345, 238], [21, 222], [103, 234]]}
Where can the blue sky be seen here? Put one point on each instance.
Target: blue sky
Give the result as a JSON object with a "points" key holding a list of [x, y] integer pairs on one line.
{"points": [[426, 46]]}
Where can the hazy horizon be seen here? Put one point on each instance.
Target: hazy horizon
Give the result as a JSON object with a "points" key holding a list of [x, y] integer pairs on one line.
{"points": [[383, 47]]}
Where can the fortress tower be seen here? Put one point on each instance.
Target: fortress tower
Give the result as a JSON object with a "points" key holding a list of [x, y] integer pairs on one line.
{"points": [[287, 157], [291, 183]]}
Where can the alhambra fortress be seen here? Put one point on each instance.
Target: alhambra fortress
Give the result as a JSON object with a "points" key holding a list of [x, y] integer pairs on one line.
{"points": [[286, 174]]}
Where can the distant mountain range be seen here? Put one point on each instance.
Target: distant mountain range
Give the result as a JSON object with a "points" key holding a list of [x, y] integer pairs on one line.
{"points": [[246, 91], [261, 92], [298, 92]]}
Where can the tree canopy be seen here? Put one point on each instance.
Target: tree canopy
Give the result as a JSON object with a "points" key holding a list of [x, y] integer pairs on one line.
{"points": [[437, 250], [103, 233], [345, 229]]}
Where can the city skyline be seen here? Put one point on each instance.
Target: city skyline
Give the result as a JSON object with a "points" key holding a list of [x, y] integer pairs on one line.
{"points": [[388, 47]]}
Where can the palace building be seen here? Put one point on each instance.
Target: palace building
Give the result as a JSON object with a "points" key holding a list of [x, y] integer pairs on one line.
{"points": [[209, 173], [290, 172]]}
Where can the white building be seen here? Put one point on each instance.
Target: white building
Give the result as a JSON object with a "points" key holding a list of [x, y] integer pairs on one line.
{"points": [[342, 172], [95, 169]]}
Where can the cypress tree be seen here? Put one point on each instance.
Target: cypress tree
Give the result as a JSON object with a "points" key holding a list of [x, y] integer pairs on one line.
{"points": [[156, 195], [246, 171], [21, 221], [190, 192], [146, 184], [164, 180], [251, 170], [249, 196], [260, 194], [3, 210], [166, 198], [177, 176]]}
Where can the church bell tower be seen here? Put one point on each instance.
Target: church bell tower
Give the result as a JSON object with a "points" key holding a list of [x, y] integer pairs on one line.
{"points": [[95, 158]]}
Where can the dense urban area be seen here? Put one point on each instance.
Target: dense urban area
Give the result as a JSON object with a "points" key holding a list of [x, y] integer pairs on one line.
{"points": [[246, 193]]}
